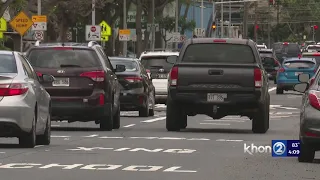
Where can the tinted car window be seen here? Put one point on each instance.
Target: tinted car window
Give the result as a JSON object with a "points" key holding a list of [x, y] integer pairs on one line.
{"points": [[7, 64], [218, 53], [298, 64], [156, 62], [268, 61], [53, 58], [131, 66], [317, 58]]}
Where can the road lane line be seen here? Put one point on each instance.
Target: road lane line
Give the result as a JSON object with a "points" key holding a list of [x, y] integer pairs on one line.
{"points": [[272, 89], [220, 124], [130, 125], [54, 136], [153, 120], [224, 120], [38, 146], [2, 152], [229, 140], [93, 135], [108, 137]]}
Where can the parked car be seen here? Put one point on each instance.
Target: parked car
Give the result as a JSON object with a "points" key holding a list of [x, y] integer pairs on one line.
{"points": [[291, 68], [24, 103], [85, 87], [137, 90], [230, 80], [309, 132]]}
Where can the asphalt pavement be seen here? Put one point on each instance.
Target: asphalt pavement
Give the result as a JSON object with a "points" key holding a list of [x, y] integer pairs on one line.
{"points": [[143, 149]]}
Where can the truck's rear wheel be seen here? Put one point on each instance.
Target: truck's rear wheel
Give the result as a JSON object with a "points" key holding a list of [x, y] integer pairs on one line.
{"points": [[175, 115], [260, 122], [307, 153]]}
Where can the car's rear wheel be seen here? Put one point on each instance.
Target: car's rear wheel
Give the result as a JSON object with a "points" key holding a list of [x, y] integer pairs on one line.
{"points": [[307, 153], [144, 111], [116, 118], [176, 118], [279, 90], [260, 121], [45, 138], [29, 140], [106, 122]]}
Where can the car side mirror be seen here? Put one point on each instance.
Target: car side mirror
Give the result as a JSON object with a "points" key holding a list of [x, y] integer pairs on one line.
{"points": [[304, 78], [47, 78], [120, 68], [172, 59], [302, 87]]}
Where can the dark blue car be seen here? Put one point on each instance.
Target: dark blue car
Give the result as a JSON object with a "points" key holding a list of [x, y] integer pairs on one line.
{"points": [[287, 75]]}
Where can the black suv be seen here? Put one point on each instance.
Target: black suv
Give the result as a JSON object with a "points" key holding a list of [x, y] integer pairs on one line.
{"points": [[85, 87], [283, 50]]}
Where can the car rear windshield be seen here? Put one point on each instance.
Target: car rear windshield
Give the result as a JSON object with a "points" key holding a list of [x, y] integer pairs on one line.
{"points": [[131, 66], [317, 58], [7, 64], [287, 49], [156, 62], [299, 64], [218, 53], [63, 58], [268, 61]]}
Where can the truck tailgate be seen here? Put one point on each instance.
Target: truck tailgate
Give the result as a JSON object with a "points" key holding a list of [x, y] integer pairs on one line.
{"points": [[216, 77]]}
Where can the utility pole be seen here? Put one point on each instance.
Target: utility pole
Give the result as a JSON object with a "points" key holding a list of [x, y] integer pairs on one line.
{"points": [[255, 22], [93, 14], [125, 26], [39, 7], [269, 27], [202, 14], [222, 28], [177, 19], [229, 25], [152, 27], [245, 20]]}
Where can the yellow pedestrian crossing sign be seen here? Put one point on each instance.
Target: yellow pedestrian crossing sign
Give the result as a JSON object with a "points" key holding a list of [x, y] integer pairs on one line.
{"points": [[1, 35], [104, 38], [3, 25], [105, 29]]}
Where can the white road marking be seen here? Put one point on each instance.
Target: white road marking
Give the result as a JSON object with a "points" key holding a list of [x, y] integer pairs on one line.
{"points": [[229, 140], [198, 139], [219, 124], [54, 136], [108, 137], [171, 138], [130, 125], [154, 120], [133, 168], [38, 146], [272, 89], [93, 135], [2, 152], [224, 120], [55, 125]]}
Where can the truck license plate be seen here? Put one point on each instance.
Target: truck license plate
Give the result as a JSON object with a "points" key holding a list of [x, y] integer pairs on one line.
{"points": [[61, 82], [214, 97], [162, 76]]}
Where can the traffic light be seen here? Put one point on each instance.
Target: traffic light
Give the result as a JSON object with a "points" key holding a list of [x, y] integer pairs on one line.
{"points": [[257, 27], [315, 27], [214, 26], [272, 2]]}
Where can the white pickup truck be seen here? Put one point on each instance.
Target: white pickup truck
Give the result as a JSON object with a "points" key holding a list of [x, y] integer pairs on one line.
{"points": [[158, 68]]}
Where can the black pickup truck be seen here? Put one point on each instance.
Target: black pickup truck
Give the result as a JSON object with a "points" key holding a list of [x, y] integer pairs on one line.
{"points": [[218, 77]]}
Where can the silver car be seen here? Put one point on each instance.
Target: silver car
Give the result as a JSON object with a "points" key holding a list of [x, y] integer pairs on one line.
{"points": [[24, 103]]}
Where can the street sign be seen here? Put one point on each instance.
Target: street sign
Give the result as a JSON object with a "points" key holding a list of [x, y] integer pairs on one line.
{"points": [[124, 34], [183, 38], [39, 23], [21, 23], [200, 32], [105, 28], [175, 37], [69, 36], [93, 33], [3, 25], [38, 35]]}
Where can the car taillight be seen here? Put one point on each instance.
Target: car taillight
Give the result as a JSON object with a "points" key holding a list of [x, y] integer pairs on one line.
{"points": [[258, 78], [39, 74], [101, 99], [281, 70], [13, 89], [220, 41], [314, 99], [299, 56], [133, 79], [316, 54], [173, 76], [97, 76], [311, 81], [285, 43]]}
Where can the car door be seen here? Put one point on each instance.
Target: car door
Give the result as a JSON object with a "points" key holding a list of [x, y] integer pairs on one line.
{"points": [[38, 89], [113, 78]]}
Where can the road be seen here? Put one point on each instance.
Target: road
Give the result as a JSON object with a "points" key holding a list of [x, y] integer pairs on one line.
{"points": [[142, 149]]}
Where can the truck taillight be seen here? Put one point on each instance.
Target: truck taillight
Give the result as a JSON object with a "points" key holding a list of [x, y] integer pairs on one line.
{"points": [[314, 99], [13, 89], [97, 76], [173, 76], [258, 78]]}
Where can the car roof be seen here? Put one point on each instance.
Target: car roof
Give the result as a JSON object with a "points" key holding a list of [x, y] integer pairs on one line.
{"points": [[38, 44], [310, 53], [228, 40], [299, 59], [159, 53], [265, 50], [6, 52], [122, 58]]}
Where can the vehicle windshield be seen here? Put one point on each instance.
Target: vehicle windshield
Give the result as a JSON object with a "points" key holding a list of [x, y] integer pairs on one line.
{"points": [[219, 53], [131, 66], [156, 62], [66, 58], [289, 49], [299, 64], [7, 64]]}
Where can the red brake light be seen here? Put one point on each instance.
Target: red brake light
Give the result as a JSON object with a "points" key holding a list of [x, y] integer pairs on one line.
{"points": [[285, 43], [101, 99], [299, 56], [281, 70], [310, 134], [62, 48], [314, 99], [133, 79], [97, 76], [39, 74], [220, 40], [316, 54], [257, 78], [173, 76], [13, 89]]}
